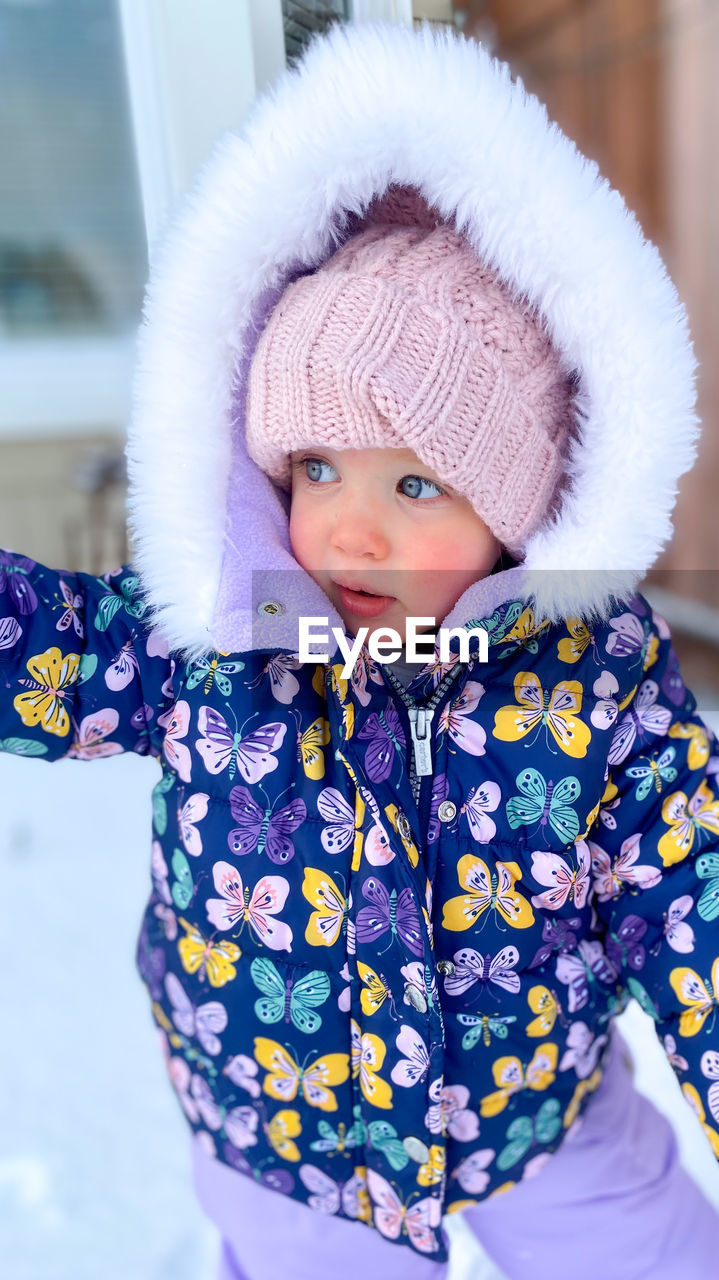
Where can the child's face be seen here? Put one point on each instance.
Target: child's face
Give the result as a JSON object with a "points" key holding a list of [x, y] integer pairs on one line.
{"points": [[380, 520]]}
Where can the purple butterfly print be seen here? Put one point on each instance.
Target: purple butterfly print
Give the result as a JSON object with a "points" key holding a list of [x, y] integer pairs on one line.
{"points": [[10, 632], [13, 579], [440, 791], [586, 965], [629, 636], [151, 964], [220, 747], [673, 686], [274, 1179], [642, 721], [263, 829], [559, 936], [386, 736], [123, 667], [471, 967], [624, 945], [389, 912]]}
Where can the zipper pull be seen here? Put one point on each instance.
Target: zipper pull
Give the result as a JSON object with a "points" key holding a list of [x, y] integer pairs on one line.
{"points": [[420, 719]]}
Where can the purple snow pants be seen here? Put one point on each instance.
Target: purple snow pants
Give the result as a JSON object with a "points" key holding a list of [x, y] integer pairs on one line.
{"points": [[613, 1204]]}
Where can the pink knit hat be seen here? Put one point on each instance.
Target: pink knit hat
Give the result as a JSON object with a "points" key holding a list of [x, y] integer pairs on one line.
{"points": [[403, 338]]}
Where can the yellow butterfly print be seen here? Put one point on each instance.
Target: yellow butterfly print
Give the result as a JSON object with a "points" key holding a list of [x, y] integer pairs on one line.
{"points": [[511, 1077], [286, 1076], [525, 628], [318, 681], [557, 711], [487, 889], [375, 991], [686, 820], [359, 815], [309, 748], [543, 1002], [52, 673], [368, 1054], [698, 752], [693, 991], [340, 687], [695, 1102], [281, 1129], [432, 1171], [571, 648], [328, 919], [583, 1088], [214, 960], [411, 849]]}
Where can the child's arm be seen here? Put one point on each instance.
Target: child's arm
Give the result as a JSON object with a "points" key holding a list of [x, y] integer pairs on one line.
{"points": [[81, 672], [655, 860]]}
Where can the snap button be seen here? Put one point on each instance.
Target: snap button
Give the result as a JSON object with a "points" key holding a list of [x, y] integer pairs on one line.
{"points": [[446, 811], [416, 1150], [403, 826], [415, 998], [446, 968], [270, 608]]}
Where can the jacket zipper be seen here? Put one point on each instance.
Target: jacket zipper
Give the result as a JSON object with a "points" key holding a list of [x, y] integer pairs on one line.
{"points": [[420, 723]]}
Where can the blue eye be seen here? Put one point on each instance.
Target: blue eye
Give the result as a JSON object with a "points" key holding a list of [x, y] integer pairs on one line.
{"points": [[417, 486], [313, 469]]}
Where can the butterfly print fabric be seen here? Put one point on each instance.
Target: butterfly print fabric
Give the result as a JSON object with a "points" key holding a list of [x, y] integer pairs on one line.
{"points": [[381, 995]]}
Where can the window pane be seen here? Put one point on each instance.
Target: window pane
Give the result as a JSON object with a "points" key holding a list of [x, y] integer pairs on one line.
{"points": [[302, 18]]}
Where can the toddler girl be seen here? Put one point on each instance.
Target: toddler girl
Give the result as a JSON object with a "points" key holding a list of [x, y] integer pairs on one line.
{"points": [[406, 356]]}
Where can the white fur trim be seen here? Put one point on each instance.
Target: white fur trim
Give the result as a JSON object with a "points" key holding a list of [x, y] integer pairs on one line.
{"points": [[370, 105]]}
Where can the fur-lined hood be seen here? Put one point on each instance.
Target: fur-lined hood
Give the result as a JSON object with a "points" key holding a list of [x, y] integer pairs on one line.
{"points": [[370, 108]]}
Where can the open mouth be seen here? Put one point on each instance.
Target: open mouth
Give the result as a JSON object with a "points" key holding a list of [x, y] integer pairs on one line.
{"points": [[361, 601]]}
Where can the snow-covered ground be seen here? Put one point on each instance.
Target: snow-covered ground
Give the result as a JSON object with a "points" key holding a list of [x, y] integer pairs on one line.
{"points": [[94, 1161]]}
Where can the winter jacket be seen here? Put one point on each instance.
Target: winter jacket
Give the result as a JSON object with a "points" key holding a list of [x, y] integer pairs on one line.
{"points": [[389, 927]]}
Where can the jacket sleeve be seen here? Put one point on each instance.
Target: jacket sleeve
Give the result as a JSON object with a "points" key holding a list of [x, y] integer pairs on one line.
{"points": [[655, 858], [81, 672]]}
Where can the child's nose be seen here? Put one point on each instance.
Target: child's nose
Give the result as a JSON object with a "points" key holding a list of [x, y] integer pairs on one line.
{"points": [[360, 531]]}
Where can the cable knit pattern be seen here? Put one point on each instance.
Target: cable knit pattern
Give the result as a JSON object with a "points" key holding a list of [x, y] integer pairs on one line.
{"points": [[402, 338]]}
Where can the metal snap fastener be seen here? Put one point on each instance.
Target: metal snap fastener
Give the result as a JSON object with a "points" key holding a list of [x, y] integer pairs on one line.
{"points": [[415, 998], [416, 1149], [270, 608], [403, 826], [447, 811], [446, 968]]}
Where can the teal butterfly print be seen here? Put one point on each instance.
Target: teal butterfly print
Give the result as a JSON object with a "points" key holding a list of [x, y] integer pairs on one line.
{"points": [[707, 868], [294, 999], [522, 1132], [183, 887], [654, 773], [23, 747], [336, 1141], [484, 1026], [543, 804], [109, 604], [212, 671]]}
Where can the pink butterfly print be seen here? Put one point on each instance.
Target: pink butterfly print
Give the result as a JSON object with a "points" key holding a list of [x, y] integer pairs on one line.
{"points": [[253, 755], [414, 1067], [206, 1021], [640, 722], [587, 964], [606, 708], [123, 667], [192, 811], [611, 879], [630, 636], [160, 873], [180, 1078], [328, 1196], [677, 932], [365, 670], [242, 1071], [90, 739], [376, 848], [670, 1048], [468, 735], [471, 1173], [566, 884], [238, 906], [71, 616], [583, 1050], [264, 829], [168, 920], [391, 1216], [176, 722], [241, 1127], [283, 684], [480, 802], [471, 967], [10, 632], [208, 1109], [710, 1068], [449, 1112]]}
